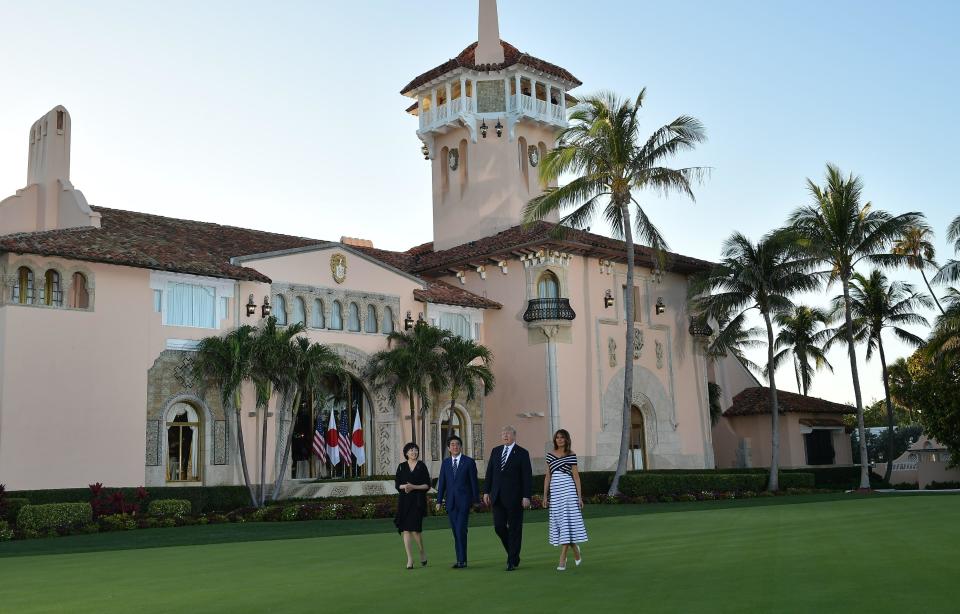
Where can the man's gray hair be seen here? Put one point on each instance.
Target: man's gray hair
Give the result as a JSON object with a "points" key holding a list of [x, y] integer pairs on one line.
{"points": [[509, 428]]}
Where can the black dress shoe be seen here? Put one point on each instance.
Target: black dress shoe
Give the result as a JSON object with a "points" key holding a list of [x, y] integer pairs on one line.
{"points": [[458, 565], [511, 567]]}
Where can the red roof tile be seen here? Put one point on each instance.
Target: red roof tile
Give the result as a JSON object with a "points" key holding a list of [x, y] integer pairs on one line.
{"points": [[511, 56], [438, 291], [756, 401]]}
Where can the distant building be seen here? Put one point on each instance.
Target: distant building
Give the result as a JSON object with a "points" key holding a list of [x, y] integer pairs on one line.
{"points": [[925, 461]]}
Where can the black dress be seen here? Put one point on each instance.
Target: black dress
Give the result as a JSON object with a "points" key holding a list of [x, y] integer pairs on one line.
{"points": [[412, 506]]}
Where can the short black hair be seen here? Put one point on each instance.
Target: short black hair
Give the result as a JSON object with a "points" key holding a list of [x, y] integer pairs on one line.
{"points": [[409, 447], [454, 437]]}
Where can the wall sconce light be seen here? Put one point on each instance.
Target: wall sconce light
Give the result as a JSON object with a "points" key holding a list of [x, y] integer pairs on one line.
{"points": [[499, 129], [265, 308], [251, 306], [660, 307], [425, 151], [483, 129], [408, 322], [607, 299]]}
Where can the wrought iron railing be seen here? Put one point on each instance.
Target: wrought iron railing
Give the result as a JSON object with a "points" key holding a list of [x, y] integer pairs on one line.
{"points": [[539, 309]]}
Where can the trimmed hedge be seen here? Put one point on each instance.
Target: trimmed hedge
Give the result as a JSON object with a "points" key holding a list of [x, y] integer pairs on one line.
{"points": [[653, 484], [203, 499], [12, 507], [839, 478], [6, 533], [53, 516], [942, 485], [172, 508]]}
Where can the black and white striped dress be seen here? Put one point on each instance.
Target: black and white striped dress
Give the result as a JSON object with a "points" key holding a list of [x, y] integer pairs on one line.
{"points": [[566, 520]]}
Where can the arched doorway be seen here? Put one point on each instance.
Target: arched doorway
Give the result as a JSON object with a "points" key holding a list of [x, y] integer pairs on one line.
{"points": [[452, 423], [314, 414], [638, 439], [184, 438]]}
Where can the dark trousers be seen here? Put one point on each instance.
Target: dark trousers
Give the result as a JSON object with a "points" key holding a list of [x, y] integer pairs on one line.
{"points": [[459, 519], [508, 523]]}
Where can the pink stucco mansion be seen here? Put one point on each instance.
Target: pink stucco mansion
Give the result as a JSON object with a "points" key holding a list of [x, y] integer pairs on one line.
{"points": [[100, 309]]}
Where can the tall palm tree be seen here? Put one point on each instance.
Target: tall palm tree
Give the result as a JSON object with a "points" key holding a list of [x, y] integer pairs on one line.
{"points": [[467, 366], [837, 231], [950, 272], [876, 304], [412, 366], [273, 371], [944, 341], [224, 363], [733, 338], [759, 276], [602, 146], [315, 368], [901, 386], [916, 243], [800, 341]]}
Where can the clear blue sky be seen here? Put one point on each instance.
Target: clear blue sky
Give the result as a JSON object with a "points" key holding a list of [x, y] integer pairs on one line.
{"points": [[287, 117]]}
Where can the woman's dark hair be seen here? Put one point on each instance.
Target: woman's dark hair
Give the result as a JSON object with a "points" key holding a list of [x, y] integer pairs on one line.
{"points": [[566, 440], [410, 446], [454, 438]]}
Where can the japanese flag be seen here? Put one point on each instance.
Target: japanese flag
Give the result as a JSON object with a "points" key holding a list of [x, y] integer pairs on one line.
{"points": [[356, 441], [333, 450]]}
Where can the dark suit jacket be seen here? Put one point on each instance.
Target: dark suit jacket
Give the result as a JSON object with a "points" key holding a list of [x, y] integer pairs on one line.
{"points": [[462, 491], [514, 482]]}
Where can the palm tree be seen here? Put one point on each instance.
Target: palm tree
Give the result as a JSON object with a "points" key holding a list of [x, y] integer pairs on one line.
{"points": [[603, 147], [224, 363], [877, 304], [916, 243], [412, 366], [838, 232], [800, 340], [273, 371], [901, 386], [944, 340], [950, 273], [733, 338], [759, 276], [467, 365], [314, 367]]}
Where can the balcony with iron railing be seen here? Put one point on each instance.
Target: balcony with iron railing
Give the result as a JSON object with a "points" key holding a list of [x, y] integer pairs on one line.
{"points": [[548, 309]]}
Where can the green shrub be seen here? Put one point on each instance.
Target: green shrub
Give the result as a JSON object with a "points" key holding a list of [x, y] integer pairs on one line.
{"points": [[290, 512], [117, 522], [12, 507], [6, 533], [943, 485], [53, 516], [174, 508], [203, 499], [651, 484], [907, 486]]}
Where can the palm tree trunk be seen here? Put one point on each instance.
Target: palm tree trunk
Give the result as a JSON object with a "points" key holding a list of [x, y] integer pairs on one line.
{"points": [[932, 294], [263, 452], [413, 418], [241, 450], [796, 372], [861, 431], [886, 392], [289, 444], [773, 483], [629, 308]]}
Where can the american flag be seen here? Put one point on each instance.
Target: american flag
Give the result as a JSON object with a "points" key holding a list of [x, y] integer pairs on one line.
{"points": [[343, 442], [319, 440]]}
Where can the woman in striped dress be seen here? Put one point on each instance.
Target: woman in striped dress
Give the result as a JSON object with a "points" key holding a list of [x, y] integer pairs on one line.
{"points": [[562, 495]]}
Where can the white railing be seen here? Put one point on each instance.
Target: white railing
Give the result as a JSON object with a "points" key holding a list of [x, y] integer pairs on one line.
{"points": [[441, 112], [526, 103], [557, 112], [541, 107]]}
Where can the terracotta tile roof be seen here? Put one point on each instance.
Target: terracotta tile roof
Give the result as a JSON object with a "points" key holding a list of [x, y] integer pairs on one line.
{"points": [[511, 56], [438, 291], [422, 259], [155, 242], [756, 401]]}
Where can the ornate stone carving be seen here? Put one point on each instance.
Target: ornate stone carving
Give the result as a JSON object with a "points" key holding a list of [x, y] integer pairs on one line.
{"points": [[478, 441], [220, 442], [453, 159], [373, 488], [637, 342], [534, 155], [153, 443], [612, 351], [338, 267], [384, 460], [658, 346], [338, 491], [434, 441], [183, 374]]}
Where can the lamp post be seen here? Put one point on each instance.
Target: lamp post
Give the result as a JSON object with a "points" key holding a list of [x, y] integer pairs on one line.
{"points": [[660, 307], [607, 299], [408, 322], [265, 308], [251, 306], [499, 128], [483, 129]]}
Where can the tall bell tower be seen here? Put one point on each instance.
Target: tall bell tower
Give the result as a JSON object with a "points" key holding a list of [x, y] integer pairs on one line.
{"points": [[486, 118]]}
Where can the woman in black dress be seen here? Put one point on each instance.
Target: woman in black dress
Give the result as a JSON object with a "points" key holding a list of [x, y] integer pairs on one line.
{"points": [[413, 482]]}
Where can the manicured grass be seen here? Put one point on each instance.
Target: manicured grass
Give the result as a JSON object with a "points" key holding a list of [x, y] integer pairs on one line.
{"points": [[874, 554]]}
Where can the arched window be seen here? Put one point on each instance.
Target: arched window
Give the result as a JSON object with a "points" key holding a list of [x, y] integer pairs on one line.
{"points": [[542, 150], [280, 309], [316, 318], [522, 160], [444, 170], [299, 311], [353, 318], [370, 325], [336, 316], [51, 293], [23, 286], [183, 444], [79, 295], [638, 439], [452, 423], [548, 286], [464, 175], [387, 327]]}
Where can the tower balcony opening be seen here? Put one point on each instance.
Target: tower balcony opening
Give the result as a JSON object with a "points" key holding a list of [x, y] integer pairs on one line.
{"points": [[544, 309]]}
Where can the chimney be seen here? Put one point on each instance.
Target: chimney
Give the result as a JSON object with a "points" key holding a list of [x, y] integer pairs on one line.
{"points": [[355, 242], [489, 49]]}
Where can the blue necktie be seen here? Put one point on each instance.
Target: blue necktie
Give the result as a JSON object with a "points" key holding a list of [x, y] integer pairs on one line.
{"points": [[503, 459], [454, 467]]}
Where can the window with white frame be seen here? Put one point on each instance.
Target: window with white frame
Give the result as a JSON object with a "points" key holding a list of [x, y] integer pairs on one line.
{"points": [[370, 325], [387, 327], [457, 323], [190, 304], [316, 316], [353, 318], [280, 309], [299, 311], [224, 307], [182, 300]]}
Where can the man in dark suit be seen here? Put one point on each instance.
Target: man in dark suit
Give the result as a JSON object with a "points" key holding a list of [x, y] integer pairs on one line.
{"points": [[458, 487], [507, 487]]}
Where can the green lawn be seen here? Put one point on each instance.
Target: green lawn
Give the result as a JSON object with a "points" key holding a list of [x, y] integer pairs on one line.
{"points": [[874, 554]]}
